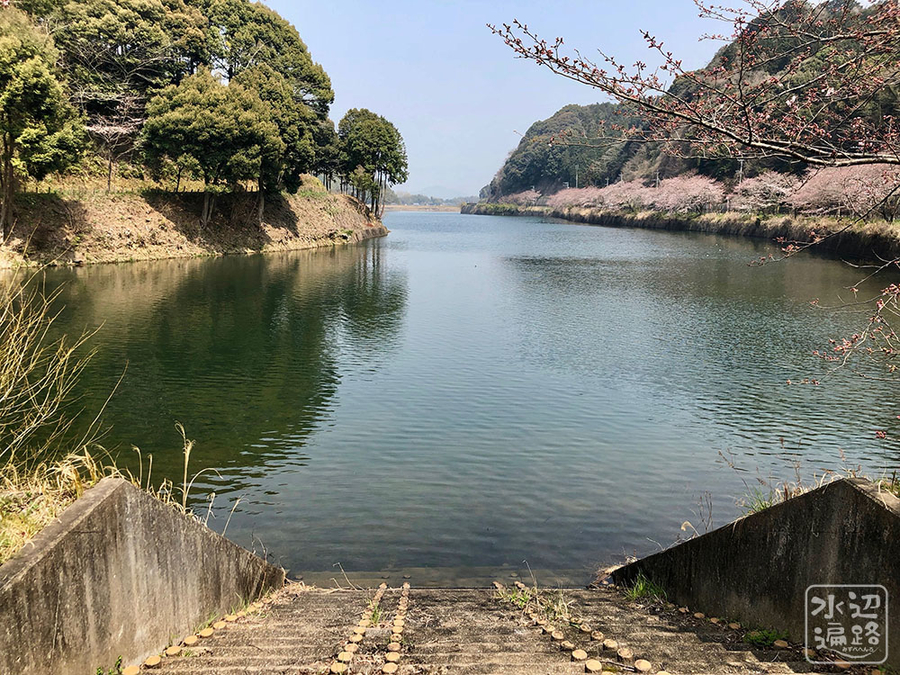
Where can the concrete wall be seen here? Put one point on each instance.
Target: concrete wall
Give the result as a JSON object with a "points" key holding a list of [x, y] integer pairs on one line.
{"points": [[120, 574], [757, 569]]}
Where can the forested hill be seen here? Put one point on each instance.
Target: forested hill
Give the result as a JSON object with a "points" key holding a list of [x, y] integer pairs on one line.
{"points": [[564, 151], [540, 164]]}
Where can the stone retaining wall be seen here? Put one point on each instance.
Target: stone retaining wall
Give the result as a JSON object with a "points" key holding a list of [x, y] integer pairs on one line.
{"points": [[870, 242]]}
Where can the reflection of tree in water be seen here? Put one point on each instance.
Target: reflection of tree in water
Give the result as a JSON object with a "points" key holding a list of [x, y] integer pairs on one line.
{"points": [[373, 305], [245, 351]]}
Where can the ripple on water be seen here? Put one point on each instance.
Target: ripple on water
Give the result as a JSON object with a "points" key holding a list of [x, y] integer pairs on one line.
{"points": [[477, 391]]}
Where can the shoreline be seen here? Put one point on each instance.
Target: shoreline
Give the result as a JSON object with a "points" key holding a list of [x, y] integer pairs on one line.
{"points": [[56, 230], [448, 208], [871, 241]]}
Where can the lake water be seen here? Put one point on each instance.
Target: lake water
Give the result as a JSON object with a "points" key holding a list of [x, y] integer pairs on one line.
{"points": [[473, 392]]}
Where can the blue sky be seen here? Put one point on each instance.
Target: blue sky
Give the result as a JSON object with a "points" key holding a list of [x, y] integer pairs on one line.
{"points": [[455, 91]]}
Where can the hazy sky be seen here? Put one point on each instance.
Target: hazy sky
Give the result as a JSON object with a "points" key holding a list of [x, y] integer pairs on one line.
{"points": [[455, 91]]}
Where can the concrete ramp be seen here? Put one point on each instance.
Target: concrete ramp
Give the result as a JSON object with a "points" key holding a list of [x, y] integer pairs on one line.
{"points": [[510, 631]]}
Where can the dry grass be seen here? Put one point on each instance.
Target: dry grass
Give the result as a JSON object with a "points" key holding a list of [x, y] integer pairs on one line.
{"points": [[551, 605], [73, 227], [38, 375], [762, 493], [32, 498]]}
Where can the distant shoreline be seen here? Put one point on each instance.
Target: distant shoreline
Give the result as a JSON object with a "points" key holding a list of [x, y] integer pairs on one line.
{"points": [[865, 241], [450, 208]]}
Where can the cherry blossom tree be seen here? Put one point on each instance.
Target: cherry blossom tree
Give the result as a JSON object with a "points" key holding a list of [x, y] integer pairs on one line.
{"points": [[853, 191], [580, 197], [524, 198], [796, 80], [682, 194], [768, 191], [813, 84]]}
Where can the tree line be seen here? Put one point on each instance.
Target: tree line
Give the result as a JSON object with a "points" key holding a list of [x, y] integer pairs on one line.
{"points": [[220, 91]]}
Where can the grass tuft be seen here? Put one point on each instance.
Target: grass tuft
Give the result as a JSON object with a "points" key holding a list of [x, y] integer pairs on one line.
{"points": [[551, 605], [764, 637], [644, 589], [377, 614]]}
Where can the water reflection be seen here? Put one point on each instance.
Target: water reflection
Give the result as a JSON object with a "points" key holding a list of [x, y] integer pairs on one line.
{"points": [[244, 351], [473, 392]]}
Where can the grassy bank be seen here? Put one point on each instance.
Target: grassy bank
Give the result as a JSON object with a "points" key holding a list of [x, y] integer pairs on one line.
{"points": [[862, 241], [95, 227]]}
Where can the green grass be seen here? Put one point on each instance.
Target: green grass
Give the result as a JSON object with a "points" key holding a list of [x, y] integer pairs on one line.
{"points": [[891, 484], [209, 622], [518, 597], [644, 589], [377, 614], [764, 637], [115, 670], [493, 209], [306, 193], [757, 500]]}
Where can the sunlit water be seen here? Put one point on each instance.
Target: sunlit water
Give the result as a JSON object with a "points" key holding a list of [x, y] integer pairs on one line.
{"points": [[474, 392]]}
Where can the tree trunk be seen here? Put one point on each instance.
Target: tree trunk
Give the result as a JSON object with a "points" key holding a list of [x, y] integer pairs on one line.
{"points": [[178, 181], [109, 173], [207, 210], [6, 183], [262, 202]]}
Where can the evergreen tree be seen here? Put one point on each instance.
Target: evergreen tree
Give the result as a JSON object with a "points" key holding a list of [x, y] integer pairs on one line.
{"points": [[116, 53], [225, 131], [296, 124], [39, 131], [328, 151], [370, 144], [250, 34]]}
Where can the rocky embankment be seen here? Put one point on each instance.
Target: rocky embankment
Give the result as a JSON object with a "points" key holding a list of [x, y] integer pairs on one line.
{"points": [[860, 241], [99, 227]]}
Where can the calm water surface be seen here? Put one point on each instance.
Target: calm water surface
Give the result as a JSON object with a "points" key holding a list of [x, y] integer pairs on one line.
{"points": [[473, 392]]}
